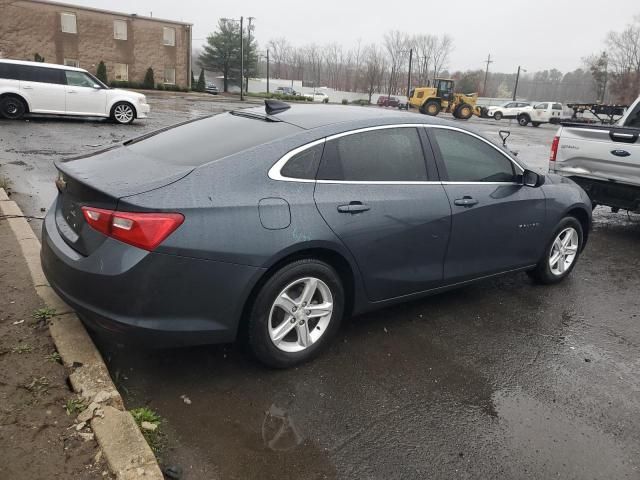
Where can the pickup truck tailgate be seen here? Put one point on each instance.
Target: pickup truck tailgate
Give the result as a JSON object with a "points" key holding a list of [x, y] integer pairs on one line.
{"points": [[599, 152]]}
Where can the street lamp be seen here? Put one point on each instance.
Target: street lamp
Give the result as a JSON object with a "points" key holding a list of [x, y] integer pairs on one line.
{"points": [[515, 89]]}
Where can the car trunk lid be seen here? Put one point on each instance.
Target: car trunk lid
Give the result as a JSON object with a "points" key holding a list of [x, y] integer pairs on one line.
{"points": [[100, 181]]}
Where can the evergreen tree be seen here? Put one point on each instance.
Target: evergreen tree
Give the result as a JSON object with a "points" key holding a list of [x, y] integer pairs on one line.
{"points": [[192, 85], [101, 72], [148, 81], [201, 83], [222, 53]]}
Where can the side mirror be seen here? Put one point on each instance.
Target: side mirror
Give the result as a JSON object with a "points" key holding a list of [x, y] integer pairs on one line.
{"points": [[532, 179], [96, 86]]}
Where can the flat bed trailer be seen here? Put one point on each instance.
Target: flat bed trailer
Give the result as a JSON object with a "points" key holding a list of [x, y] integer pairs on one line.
{"points": [[605, 114]]}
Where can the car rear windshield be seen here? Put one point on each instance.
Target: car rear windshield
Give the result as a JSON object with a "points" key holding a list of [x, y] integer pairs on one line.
{"points": [[203, 141]]}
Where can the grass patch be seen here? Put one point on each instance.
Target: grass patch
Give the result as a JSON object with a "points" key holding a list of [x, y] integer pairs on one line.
{"points": [[74, 406], [44, 314], [54, 357], [155, 438], [5, 183], [23, 348]]}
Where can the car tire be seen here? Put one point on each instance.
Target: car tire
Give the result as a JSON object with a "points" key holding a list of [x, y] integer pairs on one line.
{"points": [[548, 271], [12, 107], [523, 120], [432, 108], [280, 332], [535, 124], [497, 116], [123, 113]]}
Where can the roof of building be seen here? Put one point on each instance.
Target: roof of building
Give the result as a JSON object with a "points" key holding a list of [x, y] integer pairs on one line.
{"points": [[110, 12]]}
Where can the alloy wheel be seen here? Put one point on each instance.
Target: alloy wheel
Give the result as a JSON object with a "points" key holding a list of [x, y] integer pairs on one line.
{"points": [[300, 314], [123, 113], [563, 251]]}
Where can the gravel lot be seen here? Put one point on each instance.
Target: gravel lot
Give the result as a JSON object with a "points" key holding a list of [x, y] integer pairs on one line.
{"points": [[501, 379]]}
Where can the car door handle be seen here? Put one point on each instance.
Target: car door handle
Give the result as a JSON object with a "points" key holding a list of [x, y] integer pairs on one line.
{"points": [[71, 91], [465, 201], [353, 207], [27, 87]]}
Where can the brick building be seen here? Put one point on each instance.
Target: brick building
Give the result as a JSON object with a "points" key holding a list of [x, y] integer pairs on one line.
{"points": [[66, 34]]}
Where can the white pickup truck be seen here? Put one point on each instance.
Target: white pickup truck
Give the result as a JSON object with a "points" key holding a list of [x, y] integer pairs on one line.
{"points": [[603, 159], [543, 112]]}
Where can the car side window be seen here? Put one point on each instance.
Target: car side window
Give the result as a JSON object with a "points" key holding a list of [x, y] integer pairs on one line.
{"points": [[390, 154], [8, 71], [28, 73], [541, 106], [557, 106], [303, 165], [78, 79], [469, 159]]}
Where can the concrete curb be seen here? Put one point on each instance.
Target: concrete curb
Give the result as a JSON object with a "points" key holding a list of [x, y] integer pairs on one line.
{"points": [[127, 452]]}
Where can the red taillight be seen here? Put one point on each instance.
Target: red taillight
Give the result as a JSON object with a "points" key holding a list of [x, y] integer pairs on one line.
{"points": [[142, 230], [554, 149]]}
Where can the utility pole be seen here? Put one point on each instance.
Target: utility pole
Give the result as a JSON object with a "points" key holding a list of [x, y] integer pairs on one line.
{"points": [[606, 76], [249, 48], [409, 79], [241, 62], [267, 70], [486, 74], [515, 89]]}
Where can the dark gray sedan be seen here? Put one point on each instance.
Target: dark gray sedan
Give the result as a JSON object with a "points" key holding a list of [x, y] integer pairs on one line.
{"points": [[272, 224]]}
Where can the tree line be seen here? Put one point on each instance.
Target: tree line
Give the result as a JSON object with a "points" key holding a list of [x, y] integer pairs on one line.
{"points": [[612, 75]]}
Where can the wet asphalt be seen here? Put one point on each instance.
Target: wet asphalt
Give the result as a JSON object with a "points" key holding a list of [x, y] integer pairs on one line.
{"points": [[501, 379]]}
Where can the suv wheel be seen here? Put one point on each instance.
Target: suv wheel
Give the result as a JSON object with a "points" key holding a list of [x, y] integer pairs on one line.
{"points": [[12, 107], [497, 116], [523, 120], [123, 112], [561, 254], [296, 313]]}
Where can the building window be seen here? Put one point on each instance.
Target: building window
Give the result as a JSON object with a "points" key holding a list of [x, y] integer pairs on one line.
{"points": [[71, 62], [170, 75], [68, 22], [169, 36], [119, 29], [121, 72]]}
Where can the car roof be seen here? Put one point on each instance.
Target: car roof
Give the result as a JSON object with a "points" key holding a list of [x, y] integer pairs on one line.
{"points": [[41, 64], [316, 116]]}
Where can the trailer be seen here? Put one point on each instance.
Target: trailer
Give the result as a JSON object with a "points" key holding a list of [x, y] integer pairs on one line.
{"points": [[605, 114]]}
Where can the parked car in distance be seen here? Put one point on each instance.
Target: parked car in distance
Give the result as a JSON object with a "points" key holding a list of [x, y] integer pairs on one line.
{"points": [[388, 101], [285, 91], [602, 159], [45, 88], [211, 88], [507, 110], [317, 97], [275, 223], [544, 112]]}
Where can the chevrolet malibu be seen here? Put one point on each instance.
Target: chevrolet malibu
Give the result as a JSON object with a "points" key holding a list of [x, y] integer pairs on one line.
{"points": [[272, 224]]}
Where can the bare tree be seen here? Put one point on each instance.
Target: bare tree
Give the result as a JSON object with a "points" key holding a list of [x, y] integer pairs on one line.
{"points": [[624, 60], [374, 68], [280, 51], [442, 48], [396, 43], [424, 46]]}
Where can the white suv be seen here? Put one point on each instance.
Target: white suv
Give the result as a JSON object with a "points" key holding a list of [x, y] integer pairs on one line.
{"points": [[33, 87]]}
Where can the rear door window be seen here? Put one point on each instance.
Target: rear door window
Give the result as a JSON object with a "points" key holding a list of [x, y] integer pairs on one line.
{"points": [[469, 159], [391, 154], [28, 73], [557, 106], [8, 71]]}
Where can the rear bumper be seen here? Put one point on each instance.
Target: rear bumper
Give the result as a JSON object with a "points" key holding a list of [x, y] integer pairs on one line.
{"points": [[155, 299]]}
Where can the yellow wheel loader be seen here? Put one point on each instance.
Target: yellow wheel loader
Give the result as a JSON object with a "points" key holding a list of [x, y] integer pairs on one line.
{"points": [[431, 100]]}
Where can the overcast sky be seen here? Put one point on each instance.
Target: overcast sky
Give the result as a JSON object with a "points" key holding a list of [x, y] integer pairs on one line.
{"points": [[537, 34]]}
